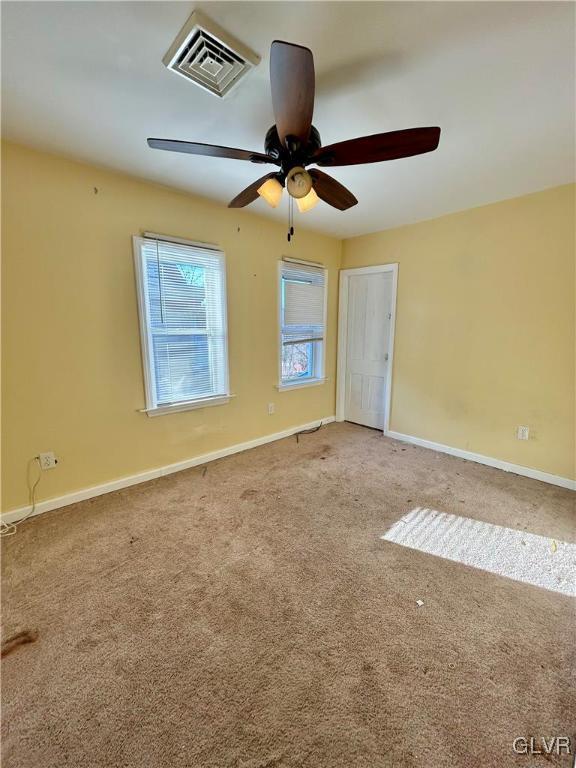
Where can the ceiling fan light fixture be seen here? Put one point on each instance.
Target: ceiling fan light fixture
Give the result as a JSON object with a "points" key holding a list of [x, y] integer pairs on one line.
{"points": [[307, 203], [298, 182], [271, 191]]}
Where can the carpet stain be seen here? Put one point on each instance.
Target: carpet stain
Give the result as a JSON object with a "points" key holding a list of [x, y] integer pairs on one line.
{"points": [[87, 644], [249, 493], [319, 452], [17, 640]]}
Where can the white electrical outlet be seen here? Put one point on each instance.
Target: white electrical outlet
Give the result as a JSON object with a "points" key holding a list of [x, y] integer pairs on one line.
{"points": [[523, 433], [271, 409], [47, 460]]}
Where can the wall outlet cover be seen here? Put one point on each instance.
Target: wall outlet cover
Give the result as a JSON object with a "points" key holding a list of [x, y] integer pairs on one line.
{"points": [[47, 460]]}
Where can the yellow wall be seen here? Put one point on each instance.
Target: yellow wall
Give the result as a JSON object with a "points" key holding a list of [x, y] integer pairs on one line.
{"points": [[72, 374], [484, 331], [485, 327]]}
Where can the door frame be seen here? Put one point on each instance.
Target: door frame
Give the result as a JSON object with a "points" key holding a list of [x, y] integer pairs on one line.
{"points": [[345, 275]]}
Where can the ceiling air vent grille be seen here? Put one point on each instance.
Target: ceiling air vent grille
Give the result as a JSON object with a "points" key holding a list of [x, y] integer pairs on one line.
{"points": [[204, 53]]}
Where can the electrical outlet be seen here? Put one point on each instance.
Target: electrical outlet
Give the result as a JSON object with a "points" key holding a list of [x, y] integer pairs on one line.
{"points": [[271, 409], [522, 433], [48, 460]]}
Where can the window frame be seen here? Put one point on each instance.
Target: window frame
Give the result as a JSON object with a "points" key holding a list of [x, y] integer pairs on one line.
{"points": [[152, 407], [320, 362]]}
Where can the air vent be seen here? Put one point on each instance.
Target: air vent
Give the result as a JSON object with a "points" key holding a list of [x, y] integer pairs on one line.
{"points": [[206, 54]]}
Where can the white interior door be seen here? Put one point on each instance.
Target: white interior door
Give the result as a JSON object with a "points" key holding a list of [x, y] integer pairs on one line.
{"points": [[367, 347]]}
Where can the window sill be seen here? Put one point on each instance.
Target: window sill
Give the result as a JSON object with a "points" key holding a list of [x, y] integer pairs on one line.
{"points": [[190, 405], [300, 384]]}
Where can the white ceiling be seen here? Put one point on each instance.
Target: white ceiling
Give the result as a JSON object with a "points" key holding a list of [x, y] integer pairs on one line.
{"points": [[87, 79]]}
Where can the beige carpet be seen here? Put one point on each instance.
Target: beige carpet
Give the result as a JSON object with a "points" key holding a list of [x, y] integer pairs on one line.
{"points": [[252, 617]]}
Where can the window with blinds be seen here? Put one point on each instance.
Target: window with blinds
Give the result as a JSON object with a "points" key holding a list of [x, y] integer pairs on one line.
{"points": [[303, 322], [182, 298]]}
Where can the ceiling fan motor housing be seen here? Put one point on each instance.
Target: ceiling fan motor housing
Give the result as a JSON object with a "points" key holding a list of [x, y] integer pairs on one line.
{"points": [[297, 155]]}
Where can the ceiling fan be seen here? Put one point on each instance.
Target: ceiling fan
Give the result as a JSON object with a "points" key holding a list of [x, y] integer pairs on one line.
{"points": [[294, 143]]}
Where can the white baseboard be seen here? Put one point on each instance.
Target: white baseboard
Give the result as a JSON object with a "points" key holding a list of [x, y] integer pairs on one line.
{"points": [[124, 482], [517, 469]]}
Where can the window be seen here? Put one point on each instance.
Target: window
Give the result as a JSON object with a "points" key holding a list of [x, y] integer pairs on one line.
{"points": [[182, 300], [302, 324]]}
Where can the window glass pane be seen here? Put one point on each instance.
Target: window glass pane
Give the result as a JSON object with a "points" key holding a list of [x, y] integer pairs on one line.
{"points": [[185, 322], [177, 294], [302, 296], [297, 361], [181, 367]]}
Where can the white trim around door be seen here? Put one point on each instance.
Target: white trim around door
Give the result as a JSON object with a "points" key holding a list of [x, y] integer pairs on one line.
{"points": [[345, 275]]}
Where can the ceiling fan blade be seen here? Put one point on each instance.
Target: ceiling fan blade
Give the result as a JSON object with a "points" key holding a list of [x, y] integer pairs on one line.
{"points": [[331, 191], [292, 83], [210, 150], [379, 147], [249, 194]]}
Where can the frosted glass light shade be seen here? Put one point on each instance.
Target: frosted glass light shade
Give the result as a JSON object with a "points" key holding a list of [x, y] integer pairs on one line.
{"points": [[307, 203], [271, 191]]}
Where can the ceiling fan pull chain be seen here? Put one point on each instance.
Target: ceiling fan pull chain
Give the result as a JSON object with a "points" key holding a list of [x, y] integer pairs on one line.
{"points": [[290, 219]]}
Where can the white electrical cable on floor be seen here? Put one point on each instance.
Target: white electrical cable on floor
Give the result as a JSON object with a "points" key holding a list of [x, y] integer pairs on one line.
{"points": [[9, 529]]}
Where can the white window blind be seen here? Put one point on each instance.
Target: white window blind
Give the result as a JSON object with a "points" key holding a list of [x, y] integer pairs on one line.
{"points": [[182, 293], [303, 320]]}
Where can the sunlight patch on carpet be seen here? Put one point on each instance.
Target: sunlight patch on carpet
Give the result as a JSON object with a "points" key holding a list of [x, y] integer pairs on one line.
{"points": [[518, 555]]}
